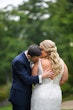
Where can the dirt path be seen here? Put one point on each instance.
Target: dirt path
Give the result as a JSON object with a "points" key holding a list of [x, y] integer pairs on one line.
{"points": [[67, 105]]}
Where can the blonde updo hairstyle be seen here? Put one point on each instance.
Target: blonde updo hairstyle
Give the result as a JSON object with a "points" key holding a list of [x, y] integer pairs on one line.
{"points": [[50, 47]]}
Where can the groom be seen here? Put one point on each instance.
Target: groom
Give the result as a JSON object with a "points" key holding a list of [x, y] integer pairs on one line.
{"points": [[21, 88]]}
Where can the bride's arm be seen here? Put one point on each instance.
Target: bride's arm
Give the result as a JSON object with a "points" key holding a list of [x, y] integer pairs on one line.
{"points": [[35, 69], [65, 75]]}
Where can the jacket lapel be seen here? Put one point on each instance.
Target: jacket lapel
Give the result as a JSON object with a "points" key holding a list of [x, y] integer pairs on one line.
{"points": [[26, 60]]}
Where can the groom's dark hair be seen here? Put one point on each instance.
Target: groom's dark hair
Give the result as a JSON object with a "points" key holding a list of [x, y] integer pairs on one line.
{"points": [[34, 50]]}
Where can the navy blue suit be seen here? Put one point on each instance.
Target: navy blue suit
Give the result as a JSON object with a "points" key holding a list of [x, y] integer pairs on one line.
{"points": [[21, 89]]}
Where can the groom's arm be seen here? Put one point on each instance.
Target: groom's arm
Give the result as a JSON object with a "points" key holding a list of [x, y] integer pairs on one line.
{"points": [[25, 77], [21, 71]]}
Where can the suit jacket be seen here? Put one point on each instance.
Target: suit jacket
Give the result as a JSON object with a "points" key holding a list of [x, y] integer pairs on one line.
{"points": [[21, 88]]}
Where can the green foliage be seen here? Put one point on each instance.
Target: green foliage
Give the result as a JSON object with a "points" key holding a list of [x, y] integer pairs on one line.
{"points": [[68, 97], [9, 49], [4, 92]]}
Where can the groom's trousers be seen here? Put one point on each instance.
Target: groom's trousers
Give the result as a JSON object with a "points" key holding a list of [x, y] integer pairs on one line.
{"points": [[17, 107]]}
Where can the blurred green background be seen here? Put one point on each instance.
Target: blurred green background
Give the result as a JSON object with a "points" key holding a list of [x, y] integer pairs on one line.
{"points": [[29, 23]]}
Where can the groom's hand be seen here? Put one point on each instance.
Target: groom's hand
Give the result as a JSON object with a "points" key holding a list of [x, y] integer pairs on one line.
{"points": [[48, 74]]}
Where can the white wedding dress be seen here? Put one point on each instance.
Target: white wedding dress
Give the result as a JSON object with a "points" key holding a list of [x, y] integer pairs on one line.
{"points": [[48, 95]]}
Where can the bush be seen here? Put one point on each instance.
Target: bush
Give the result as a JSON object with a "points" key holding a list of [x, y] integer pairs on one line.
{"points": [[4, 92]]}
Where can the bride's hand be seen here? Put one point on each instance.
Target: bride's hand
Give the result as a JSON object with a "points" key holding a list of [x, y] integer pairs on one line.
{"points": [[48, 74]]}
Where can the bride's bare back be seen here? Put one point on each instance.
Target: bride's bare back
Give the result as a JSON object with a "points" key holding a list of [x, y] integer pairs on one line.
{"points": [[46, 64]]}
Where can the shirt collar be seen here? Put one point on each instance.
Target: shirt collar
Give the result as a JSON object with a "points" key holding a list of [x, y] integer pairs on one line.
{"points": [[26, 55]]}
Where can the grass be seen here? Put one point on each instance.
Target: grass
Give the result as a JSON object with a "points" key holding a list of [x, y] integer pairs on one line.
{"points": [[10, 108], [69, 97], [6, 107]]}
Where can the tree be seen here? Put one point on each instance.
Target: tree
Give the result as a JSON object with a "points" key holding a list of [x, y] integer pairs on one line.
{"points": [[10, 46], [61, 25]]}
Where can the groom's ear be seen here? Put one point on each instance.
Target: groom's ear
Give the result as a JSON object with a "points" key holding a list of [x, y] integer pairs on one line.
{"points": [[29, 56]]}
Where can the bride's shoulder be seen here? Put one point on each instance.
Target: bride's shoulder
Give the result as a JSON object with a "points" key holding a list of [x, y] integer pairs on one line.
{"points": [[45, 63]]}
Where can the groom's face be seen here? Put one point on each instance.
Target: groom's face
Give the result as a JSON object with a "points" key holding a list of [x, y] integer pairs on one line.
{"points": [[34, 58]]}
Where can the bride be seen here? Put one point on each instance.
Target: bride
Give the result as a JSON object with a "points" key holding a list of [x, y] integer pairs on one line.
{"points": [[48, 95]]}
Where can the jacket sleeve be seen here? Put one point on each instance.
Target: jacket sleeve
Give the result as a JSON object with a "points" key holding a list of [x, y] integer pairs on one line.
{"points": [[20, 70]]}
